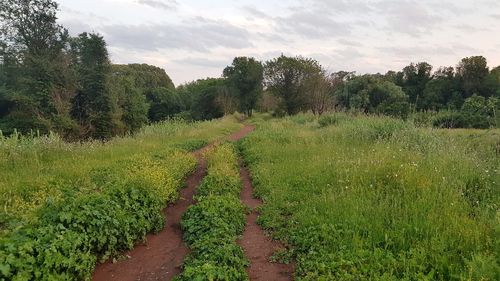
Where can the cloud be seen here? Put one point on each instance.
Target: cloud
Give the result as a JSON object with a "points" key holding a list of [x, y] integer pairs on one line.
{"points": [[75, 26], [315, 24], [256, 13], [203, 62], [411, 51], [408, 17], [159, 4], [198, 34]]}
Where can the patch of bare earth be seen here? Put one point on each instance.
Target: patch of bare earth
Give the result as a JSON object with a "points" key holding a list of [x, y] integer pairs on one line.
{"points": [[257, 246], [161, 257]]}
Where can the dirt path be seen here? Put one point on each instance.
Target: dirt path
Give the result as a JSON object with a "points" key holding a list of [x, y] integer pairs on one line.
{"points": [[162, 256], [256, 245]]}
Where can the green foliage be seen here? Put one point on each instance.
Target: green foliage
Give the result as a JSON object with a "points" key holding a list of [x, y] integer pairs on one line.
{"points": [[191, 144], [93, 106], [372, 94], [477, 112], [212, 226], [245, 77], [286, 78], [151, 91], [374, 198], [70, 205], [201, 98], [70, 236]]}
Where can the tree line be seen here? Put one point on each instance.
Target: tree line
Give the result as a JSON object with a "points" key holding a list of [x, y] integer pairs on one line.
{"points": [[51, 81]]}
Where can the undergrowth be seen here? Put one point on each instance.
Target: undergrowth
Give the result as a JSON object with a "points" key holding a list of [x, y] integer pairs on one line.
{"points": [[212, 226]]}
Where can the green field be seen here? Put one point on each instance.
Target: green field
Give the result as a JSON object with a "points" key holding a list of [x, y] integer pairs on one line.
{"points": [[352, 197], [374, 198], [66, 206]]}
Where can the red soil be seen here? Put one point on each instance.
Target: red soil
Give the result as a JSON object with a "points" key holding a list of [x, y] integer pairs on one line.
{"points": [[257, 246], [161, 257]]}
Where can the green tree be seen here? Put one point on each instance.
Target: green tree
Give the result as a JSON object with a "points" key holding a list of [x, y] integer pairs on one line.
{"points": [[472, 72], [374, 94], [245, 77], [93, 106], [415, 78], [201, 98], [286, 78], [442, 91], [39, 83], [155, 86], [131, 101], [164, 103]]}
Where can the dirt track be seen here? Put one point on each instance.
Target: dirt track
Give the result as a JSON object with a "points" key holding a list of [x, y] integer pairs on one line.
{"points": [[162, 255]]}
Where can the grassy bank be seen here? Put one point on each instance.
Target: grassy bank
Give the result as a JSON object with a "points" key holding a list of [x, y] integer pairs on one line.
{"points": [[376, 198]]}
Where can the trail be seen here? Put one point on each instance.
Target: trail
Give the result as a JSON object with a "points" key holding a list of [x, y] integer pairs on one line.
{"points": [[257, 246], [162, 256]]}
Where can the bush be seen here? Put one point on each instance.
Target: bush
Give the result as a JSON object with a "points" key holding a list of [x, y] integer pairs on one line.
{"points": [[71, 236], [449, 120]]}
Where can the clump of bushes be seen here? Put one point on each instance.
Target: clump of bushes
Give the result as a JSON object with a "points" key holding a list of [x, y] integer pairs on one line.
{"points": [[477, 112], [71, 236], [212, 226]]}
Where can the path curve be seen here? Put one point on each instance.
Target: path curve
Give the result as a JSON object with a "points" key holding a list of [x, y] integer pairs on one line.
{"points": [[161, 257]]}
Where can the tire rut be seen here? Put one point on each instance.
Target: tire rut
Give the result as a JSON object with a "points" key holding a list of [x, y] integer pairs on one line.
{"points": [[161, 257], [257, 246]]}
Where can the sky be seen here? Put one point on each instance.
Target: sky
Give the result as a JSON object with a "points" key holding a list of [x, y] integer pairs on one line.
{"points": [[193, 39]]}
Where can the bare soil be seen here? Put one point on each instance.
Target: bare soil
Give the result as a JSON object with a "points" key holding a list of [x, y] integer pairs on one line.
{"points": [[161, 257], [257, 246]]}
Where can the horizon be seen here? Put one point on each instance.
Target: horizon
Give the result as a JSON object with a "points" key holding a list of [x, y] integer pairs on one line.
{"points": [[193, 39]]}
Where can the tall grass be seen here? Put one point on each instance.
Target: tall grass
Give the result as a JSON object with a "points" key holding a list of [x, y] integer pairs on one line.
{"points": [[378, 199], [37, 170]]}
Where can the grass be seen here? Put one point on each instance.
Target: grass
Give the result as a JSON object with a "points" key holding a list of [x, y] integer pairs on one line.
{"points": [[376, 198], [38, 170], [84, 203], [212, 226]]}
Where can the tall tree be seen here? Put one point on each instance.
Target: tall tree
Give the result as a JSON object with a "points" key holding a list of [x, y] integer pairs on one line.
{"points": [[320, 89], [472, 72], [415, 78], [286, 78], [245, 76], [93, 105], [442, 91], [39, 82]]}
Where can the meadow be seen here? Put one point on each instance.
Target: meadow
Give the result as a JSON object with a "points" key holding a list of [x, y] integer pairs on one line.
{"points": [[376, 198], [66, 206]]}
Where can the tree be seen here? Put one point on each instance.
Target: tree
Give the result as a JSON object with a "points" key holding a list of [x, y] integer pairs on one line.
{"points": [[245, 76], [93, 106], [319, 89], [286, 78], [155, 87], [131, 101], [374, 94], [472, 72], [442, 91], [39, 81], [415, 78], [164, 104], [201, 98]]}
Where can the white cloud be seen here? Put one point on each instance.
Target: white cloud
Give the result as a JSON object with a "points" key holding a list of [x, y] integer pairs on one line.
{"points": [[194, 38]]}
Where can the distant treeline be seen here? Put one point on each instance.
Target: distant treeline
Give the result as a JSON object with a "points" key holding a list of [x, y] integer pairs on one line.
{"points": [[50, 81]]}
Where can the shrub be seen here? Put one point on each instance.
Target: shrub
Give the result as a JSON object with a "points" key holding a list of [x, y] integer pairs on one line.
{"points": [[71, 236]]}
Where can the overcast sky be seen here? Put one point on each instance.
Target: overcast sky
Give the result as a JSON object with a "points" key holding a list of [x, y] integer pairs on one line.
{"points": [[194, 39]]}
